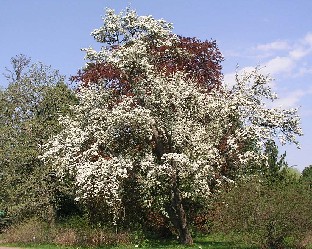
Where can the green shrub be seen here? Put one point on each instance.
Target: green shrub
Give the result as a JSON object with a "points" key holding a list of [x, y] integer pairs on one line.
{"points": [[4, 220], [276, 216]]}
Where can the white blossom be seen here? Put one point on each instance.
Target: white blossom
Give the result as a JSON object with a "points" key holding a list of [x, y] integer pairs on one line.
{"points": [[103, 141]]}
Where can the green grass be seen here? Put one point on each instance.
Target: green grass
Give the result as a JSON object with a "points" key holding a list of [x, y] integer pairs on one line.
{"points": [[208, 242]]}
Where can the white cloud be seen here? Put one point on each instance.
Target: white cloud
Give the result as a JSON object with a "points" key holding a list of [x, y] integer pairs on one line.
{"points": [[302, 48], [308, 39], [279, 65], [288, 62], [229, 79], [299, 53], [289, 58], [292, 99], [276, 45]]}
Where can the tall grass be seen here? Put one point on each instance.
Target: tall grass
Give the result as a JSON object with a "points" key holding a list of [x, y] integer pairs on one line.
{"points": [[34, 231]]}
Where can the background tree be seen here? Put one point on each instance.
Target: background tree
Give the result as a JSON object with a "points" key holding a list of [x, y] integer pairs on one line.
{"points": [[151, 111], [269, 216], [307, 175], [30, 106], [274, 172]]}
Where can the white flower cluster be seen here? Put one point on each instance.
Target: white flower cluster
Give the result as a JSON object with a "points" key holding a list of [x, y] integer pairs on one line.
{"points": [[170, 127], [127, 27]]}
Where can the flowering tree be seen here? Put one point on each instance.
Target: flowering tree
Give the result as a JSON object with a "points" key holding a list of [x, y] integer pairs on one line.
{"points": [[151, 104]]}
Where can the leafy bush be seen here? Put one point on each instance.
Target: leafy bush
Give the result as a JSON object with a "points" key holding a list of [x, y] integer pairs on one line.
{"points": [[4, 220], [275, 216]]}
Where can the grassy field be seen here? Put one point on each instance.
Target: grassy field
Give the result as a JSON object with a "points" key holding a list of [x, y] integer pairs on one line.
{"points": [[200, 243]]}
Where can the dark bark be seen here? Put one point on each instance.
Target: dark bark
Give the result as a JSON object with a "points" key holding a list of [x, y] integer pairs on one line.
{"points": [[175, 208], [177, 214], [159, 147]]}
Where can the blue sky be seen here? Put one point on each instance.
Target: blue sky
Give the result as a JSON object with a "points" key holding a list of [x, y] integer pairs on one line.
{"points": [[276, 34]]}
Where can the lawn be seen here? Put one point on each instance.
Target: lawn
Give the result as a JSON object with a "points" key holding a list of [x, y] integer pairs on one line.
{"points": [[209, 242]]}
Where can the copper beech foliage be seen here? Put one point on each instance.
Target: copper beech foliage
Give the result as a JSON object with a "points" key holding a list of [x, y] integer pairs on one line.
{"points": [[202, 63]]}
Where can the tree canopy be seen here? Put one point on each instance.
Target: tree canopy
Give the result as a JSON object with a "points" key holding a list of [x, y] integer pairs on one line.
{"points": [[36, 95], [152, 108]]}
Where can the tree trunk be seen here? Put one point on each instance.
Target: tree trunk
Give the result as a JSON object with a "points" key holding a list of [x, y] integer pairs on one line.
{"points": [[175, 209], [177, 214]]}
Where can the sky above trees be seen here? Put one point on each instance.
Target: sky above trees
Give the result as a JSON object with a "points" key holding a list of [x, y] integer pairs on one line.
{"points": [[275, 35]]}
